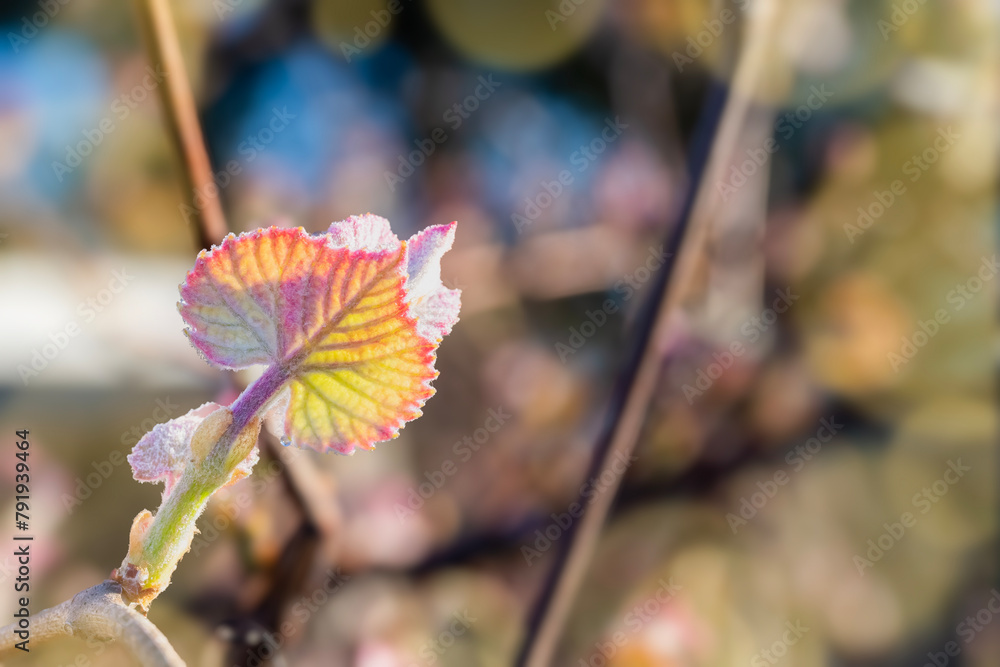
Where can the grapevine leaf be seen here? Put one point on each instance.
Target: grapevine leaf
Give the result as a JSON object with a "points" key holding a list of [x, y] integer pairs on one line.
{"points": [[350, 318]]}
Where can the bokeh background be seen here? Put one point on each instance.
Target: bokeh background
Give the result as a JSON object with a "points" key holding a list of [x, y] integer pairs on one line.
{"points": [[849, 254]]}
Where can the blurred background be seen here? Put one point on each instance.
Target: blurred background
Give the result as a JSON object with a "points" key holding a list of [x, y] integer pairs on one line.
{"points": [[815, 480]]}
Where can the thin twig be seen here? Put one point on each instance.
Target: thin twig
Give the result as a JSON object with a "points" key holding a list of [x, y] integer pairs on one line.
{"points": [[636, 385], [182, 118], [99, 614]]}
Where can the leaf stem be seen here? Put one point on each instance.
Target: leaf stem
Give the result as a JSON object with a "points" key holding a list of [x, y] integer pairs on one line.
{"points": [[251, 402]]}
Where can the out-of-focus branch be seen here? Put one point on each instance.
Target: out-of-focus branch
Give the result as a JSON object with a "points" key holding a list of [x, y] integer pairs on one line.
{"points": [[637, 383], [314, 494], [99, 613], [182, 118]]}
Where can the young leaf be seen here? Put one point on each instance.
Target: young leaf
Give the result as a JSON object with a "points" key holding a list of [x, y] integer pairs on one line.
{"points": [[349, 320], [162, 454]]}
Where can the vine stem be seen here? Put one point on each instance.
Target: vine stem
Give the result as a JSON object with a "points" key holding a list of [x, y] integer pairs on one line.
{"points": [[169, 535], [100, 614], [711, 153]]}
